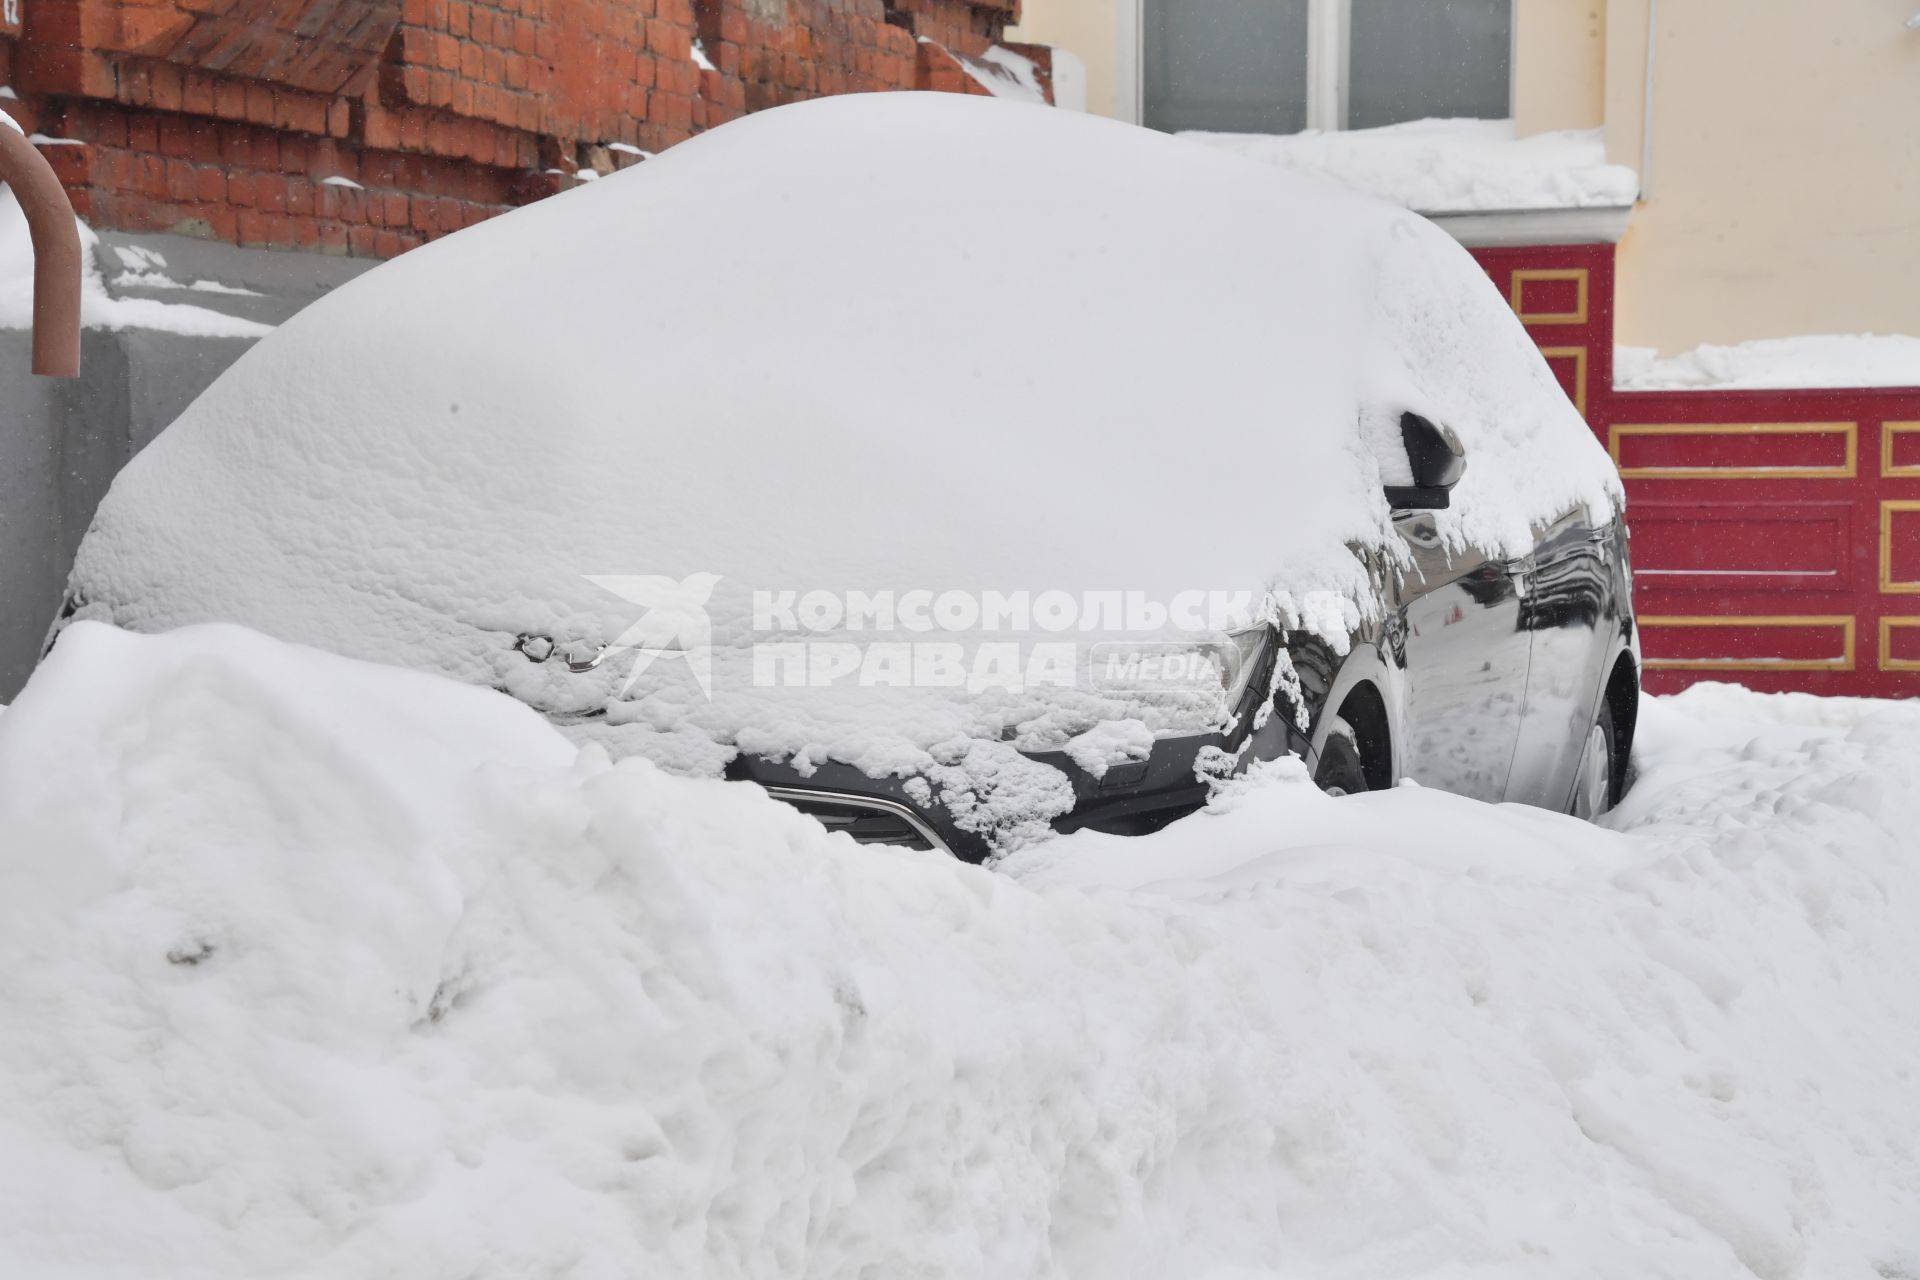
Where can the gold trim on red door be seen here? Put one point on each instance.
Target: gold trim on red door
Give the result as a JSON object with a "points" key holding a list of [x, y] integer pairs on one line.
{"points": [[1843, 663], [1887, 661], [1842, 471], [1888, 430], [1579, 357], [1887, 584], [1517, 295]]}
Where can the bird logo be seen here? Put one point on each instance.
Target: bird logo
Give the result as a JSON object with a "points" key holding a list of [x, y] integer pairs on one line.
{"points": [[675, 624]]}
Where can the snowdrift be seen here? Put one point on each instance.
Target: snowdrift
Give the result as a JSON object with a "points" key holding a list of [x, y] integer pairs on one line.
{"points": [[321, 969]]}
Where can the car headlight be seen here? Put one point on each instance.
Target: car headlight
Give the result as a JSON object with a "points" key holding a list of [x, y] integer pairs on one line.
{"points": [[1244, 657]]}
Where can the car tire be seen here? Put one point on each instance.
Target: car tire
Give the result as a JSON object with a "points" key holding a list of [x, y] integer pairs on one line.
{"points": [[1341, 772], [1596, 784]]}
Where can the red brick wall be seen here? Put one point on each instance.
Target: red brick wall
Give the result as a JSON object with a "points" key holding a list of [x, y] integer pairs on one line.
{"points": [[226, 118]]}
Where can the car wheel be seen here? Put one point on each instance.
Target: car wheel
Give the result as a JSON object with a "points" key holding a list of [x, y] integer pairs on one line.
{"points": [[1594, 786], [1340, 772]]}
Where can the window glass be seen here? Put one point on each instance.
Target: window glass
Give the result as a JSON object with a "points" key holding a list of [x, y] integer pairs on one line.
{"points": [[1238, 66], [1417, 58]]}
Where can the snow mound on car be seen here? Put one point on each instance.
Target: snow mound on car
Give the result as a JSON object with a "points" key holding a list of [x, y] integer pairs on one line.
{"points": [[314, 968], [877, 343]]}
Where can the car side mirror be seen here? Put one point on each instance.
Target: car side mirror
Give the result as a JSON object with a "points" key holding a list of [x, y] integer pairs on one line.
{"points": [[1437, 461]]}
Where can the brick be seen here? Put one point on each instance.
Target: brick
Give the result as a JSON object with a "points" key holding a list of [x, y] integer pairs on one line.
{"points": [[150, 175], [181, 183], [175, 135], [254, 229], [203, 141], [270, 193], [259, 103], [230, 99], [143, 132], [413, 130], [169, 86], [73, 165], [197, 98], [136, 86]]}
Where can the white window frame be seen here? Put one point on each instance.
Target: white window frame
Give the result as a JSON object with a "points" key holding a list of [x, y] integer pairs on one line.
{"points": [[1329, 34]]}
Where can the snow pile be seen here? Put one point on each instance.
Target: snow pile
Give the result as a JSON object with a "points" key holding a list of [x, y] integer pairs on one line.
{"points": [[1449, 166], [439, 463], [1818, 360], [316, 968], [99, 309]]}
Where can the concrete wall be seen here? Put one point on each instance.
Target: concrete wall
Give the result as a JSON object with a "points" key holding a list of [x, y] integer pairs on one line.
{"points": [[61, 444], [63, 441]]}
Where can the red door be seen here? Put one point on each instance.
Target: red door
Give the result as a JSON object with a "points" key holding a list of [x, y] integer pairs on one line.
{"points": [[1775, 534]]}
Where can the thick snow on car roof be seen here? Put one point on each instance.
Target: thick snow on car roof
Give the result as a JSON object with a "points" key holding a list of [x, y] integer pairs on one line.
{"points": [[872, 343]]}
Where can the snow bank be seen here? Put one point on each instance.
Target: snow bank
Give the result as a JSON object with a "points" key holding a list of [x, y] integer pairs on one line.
{"points": [[314, 968], [769, 357], [1449, 166], [1817, 360]]}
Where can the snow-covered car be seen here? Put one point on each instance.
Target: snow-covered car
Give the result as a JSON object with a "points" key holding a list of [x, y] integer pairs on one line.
{"points": [[957, 469]]}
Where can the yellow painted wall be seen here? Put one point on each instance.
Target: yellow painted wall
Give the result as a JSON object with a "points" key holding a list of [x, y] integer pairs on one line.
{"points": [[1783, 183], [1559, 64], [1090, 28]]}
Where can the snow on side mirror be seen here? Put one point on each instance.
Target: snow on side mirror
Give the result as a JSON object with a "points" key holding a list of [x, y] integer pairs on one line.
{"points": [[1437, 462]]}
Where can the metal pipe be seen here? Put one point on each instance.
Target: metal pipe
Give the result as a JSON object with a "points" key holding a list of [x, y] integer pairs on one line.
{"points": [[56, 254]]}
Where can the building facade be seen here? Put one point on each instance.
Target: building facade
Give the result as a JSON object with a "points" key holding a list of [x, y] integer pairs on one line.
{"points": [[1775, 194], [1774, 142]]}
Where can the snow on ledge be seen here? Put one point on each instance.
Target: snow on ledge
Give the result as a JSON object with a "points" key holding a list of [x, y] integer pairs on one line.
{"points": [[1005, 74], [1815, 360], [100, 308], [1449, 166]]}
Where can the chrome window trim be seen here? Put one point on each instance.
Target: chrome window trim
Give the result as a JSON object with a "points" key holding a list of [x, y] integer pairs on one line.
{"points": [[876, 804]]}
